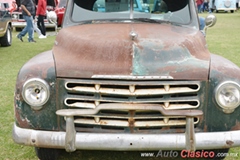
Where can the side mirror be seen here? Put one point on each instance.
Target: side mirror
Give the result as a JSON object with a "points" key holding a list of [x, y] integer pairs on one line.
{"points": [[210, 20]]}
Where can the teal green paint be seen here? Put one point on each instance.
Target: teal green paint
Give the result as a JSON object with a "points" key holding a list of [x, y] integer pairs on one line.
{"points": [[138, 68], [157, 59]]}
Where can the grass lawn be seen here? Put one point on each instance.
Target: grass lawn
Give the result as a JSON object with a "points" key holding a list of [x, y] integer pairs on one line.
{"points": [[222, 39]]}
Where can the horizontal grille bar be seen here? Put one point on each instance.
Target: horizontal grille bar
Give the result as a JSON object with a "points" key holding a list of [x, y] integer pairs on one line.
{"points": [[129, 107], [137, 88], [82, 103], [137, 122]]}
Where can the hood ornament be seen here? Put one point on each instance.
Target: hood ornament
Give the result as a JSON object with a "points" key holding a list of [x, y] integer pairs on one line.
{"points": [[133, 35]]}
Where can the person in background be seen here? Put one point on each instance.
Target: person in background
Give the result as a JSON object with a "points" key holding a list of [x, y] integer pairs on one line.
{"points": [[237, 5], [205, 5], [211, 4], [13, 7], [35, 27], [199, 5], [202, 23], [28, 10], [201, 20], [40, 14]]}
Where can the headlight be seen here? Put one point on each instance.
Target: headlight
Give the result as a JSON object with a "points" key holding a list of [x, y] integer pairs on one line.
{"points": [[228, 96], [36, 93]]}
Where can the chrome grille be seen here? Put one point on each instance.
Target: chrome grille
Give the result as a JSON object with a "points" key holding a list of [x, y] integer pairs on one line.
{"points": [[171, 95], [130, 104]]}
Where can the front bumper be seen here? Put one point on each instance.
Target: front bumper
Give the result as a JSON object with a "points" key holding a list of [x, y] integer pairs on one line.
{"points": [[112, 141], [226, 9]]}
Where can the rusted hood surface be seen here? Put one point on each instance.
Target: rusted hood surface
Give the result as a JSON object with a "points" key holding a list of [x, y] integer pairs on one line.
{"points": [[131, 49]]}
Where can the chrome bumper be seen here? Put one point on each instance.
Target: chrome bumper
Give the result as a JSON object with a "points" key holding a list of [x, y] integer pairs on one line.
{"points": [[226, 9], [112, 141]]}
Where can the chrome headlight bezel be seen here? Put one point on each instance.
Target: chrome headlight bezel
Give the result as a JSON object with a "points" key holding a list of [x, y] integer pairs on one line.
{"points": [[36, 93], [227, 96]]}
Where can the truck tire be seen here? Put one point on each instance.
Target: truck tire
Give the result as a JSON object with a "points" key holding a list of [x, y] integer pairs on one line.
{"points": [[47, 153], [6, 40]]}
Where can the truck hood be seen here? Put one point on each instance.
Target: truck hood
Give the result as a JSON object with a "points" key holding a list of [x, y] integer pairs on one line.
{"points": [[125, 50]]}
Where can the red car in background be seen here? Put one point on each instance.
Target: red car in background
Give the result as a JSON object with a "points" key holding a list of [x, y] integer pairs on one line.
{"points": [[11, 5], [60, 10]]}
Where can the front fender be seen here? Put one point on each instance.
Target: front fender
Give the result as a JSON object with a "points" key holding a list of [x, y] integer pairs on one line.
{"points": [[221, 70], [41, 66], [3, 32]]}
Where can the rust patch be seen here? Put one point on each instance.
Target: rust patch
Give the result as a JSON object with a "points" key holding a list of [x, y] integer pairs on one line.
{"points": [[23, 123], [36, 68], [205, 128], [115, 53], [131, 121], [228, 69], [92, 53], [103, 122], [229, 143], [236, 127]]}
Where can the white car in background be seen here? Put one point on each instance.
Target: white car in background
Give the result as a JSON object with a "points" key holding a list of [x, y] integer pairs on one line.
{"points": [[223, 5]]}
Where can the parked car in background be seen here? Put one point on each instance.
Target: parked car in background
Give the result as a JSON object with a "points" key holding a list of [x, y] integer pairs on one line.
{"points": [[19, 23], [223, 5], [5, 24], [129, 75], [11, 5], [60, 10]]}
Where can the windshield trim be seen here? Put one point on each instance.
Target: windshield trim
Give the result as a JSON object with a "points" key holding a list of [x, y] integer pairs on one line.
{"points": [[131, 9], [68, 21]]}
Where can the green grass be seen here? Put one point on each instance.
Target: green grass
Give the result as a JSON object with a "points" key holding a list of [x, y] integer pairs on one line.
{"points": [[222, 39], [11, 60]]}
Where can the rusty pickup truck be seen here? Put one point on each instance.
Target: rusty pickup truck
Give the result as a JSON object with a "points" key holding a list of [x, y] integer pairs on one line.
{"points": [[128, 75]]}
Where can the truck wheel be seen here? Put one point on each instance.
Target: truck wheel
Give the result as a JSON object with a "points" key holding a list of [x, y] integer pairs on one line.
{"points": [[47, 153], [6, 40]]}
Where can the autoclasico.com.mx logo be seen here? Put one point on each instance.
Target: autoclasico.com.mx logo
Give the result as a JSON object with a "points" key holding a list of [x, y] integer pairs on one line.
{"points": [[189, 154]]}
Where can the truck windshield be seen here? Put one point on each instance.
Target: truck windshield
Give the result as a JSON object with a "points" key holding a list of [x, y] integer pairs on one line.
{"points": [[177, 11]]}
